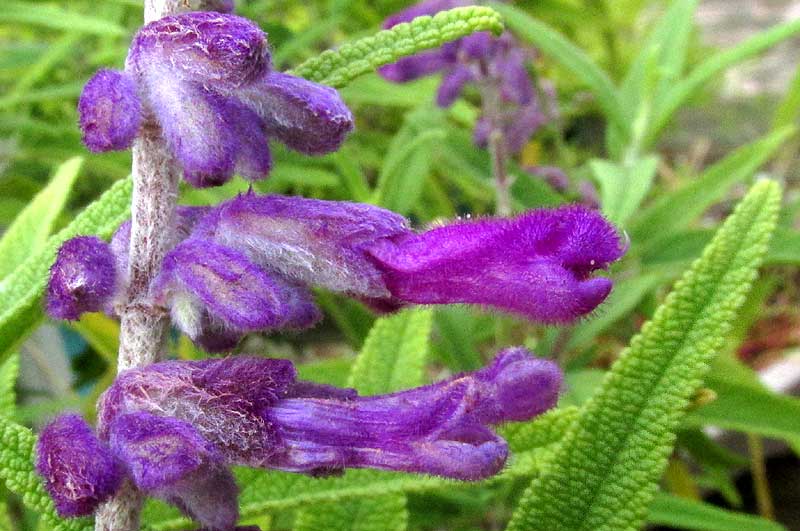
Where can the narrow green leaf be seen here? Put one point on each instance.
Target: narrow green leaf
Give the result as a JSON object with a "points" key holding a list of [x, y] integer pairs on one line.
{"points": [[744, 404], [54, 17], [689, 514], [623, 187], [338, 67], [381, 513], [605, 473], [9, 371], [28, 234], [555, 45], [716, 64], [788, 112], [674, 211], [17, 445], [21, 291], [406, 167], [669, 40]]}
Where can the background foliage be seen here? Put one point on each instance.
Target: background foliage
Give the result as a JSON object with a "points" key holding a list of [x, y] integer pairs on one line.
{"points": [[627, 445]]}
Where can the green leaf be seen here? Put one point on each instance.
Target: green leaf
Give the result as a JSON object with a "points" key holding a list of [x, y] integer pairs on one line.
{"points": [[17, 445], [9, 371], [714, 65], [605, 473], [668, 42], [28, 234], [51, 16], [336, 68], [381, 513], [674, 211], [408, 161], [623, 187], [744, 404], [689, 514], [555, 45], [394, 353], [21, 291], [788, 112]]}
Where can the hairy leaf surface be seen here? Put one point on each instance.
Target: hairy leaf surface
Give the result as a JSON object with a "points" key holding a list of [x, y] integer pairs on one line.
{"points": [[605, 473]]}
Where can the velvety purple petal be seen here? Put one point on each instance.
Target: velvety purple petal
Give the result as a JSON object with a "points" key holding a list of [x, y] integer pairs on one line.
{"points": [[110, 112], [415, 66], [224, 282], [438, 429], [223, 399], [428, 7], [536, 265], [169, 459], [253, 159], [452, 85], [213, 49], [79, 471], [309, 240], [196, 128], [307, 117], [82, 278]]}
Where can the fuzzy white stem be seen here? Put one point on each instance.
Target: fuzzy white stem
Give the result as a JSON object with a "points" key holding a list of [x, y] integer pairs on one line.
{"points": [[143, 325]]}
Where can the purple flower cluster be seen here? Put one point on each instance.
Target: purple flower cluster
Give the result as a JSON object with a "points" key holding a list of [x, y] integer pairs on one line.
{"points": [[175, 428], [496, 66], [245, 265], [205, 79]]}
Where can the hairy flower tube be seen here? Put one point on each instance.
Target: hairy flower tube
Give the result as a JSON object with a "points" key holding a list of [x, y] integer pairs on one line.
{"points": [[496, 66], [246, 265], [205, 80], [175, 427]]}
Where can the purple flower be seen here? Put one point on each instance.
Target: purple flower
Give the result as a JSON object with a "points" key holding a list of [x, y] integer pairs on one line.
{"points": [[82, 279], [245, 265], [537, 265], [176, 426], [496, 66], [79, 472], [205, 79]]}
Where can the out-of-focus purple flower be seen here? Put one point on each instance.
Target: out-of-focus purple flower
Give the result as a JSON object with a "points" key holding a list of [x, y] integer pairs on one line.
{"points": [[79, 471], [245, 265], [205, 79], [497, 66], [553, 175], [176, 426], [537, 265], [82, 279]]}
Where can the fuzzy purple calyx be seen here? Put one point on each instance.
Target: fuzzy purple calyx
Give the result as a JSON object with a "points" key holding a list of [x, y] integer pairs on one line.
{"points": [[82, 278], [110, 112], [79, 471]]}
